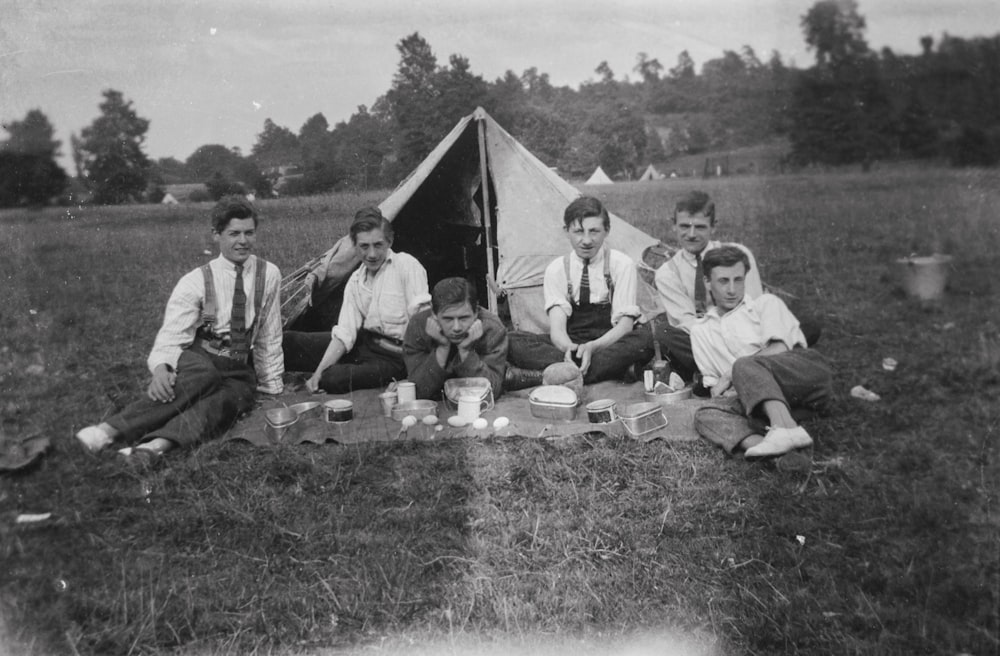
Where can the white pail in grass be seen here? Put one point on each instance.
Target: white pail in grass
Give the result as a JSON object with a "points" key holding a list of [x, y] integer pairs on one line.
{"points": [[924, 277]]}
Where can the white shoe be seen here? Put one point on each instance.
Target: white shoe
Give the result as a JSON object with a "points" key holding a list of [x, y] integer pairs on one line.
{"points": [[94, 438], [779, 441]]}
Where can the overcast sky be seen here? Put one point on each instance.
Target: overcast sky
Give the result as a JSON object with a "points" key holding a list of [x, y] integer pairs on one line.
{"points": [[210, 71]]}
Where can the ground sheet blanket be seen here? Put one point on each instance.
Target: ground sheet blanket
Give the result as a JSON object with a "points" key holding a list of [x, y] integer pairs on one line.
{"points": [[369, 423]]}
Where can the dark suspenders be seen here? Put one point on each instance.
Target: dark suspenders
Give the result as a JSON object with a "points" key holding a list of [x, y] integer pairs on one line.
{"points": [[209, 306]]}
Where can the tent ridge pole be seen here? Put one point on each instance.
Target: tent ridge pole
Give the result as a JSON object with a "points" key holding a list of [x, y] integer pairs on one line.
{"points": [[487, 219]]}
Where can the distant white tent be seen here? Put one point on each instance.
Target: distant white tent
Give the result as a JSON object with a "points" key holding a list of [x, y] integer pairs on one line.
{"points": [[651, 174], [168, 199], [599, 177]]}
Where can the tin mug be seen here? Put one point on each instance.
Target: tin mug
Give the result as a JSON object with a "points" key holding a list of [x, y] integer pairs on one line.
{"points": [[406, 391], [339, 411]]}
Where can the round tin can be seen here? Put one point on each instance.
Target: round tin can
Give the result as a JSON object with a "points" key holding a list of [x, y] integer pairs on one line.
{"points": [[388, 400], [601, 411], [339, 411]]}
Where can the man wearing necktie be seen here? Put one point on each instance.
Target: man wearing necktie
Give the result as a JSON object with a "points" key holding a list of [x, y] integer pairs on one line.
{"points": [[681, 279], [220, 340], [590, 299]]}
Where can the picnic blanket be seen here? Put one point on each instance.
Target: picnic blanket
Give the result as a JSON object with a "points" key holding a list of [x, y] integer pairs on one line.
{"points": [[369, 423]]}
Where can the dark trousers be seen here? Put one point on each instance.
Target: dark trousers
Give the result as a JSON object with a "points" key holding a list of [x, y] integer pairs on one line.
{"points": [[534, 351], [800, 378], [367, 365], [675, 345], [210, 393]]}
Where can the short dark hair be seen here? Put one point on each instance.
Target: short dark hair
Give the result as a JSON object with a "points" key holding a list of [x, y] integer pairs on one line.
{"points": [[696, 202], [725, 255], [229, 208], [453, 291], [585, 207], [367, 219]]}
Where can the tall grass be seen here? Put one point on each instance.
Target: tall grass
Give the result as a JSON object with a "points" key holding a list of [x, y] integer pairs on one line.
{"points": [[887, 544]]}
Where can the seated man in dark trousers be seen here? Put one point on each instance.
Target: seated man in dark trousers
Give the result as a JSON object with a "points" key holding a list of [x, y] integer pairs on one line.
{"points": [[220, 339], [455, 338], [590, 298], [365, 348], [753, 346]]}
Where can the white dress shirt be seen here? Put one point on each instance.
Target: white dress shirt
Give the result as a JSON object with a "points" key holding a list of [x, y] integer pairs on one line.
{"points": [[675, 282], [380, 303], [718, 341], [183, 318], [623, 274]]}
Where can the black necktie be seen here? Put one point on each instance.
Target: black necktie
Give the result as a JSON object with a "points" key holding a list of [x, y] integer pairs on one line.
{"points": [[238, 321], [585, 283], [699, 286]]}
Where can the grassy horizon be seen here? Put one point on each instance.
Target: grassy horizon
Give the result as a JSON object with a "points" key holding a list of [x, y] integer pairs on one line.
{"points": [[887, 544]]}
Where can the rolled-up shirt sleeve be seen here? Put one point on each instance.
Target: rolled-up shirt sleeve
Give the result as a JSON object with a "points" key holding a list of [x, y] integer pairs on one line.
{"points": [[625, 277], [180, 321], [269, 361], [554, 287], [351, 319], [777, 323]]}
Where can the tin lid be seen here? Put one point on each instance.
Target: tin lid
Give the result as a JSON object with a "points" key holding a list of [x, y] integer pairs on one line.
{"points": [[639, 410], [553, 395], [600, 404]]}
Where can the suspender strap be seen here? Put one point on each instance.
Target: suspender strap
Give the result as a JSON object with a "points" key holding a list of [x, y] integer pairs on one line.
{"points": [[209, 306], [608, 280], [208, 309], [258, 296]]}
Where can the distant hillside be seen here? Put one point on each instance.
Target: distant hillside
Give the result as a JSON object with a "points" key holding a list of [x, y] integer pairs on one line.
{"points": [[747, 160]]}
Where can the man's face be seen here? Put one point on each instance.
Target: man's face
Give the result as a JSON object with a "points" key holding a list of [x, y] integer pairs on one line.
{"points": [[693, 231], [726, 285], [587, 236], [237, 239], [372, 247], [455, 321]]}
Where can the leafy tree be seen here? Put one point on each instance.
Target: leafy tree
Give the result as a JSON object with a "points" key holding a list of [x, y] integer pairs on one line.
{"points": [[835, 30], [684, 70], [314, 138], [116, 168], [276, 146], [362, 145], [607, 75], [169, 170], [219, 185], [210, 159], [648, 69], [33, 135], [28, 171]]}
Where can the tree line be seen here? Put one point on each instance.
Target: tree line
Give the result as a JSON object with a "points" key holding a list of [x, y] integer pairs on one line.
{"points": [[853, 105]]}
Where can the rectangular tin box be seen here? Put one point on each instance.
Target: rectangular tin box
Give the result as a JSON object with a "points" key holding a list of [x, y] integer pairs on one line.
{"points": [[642, 418], [553, 402]]}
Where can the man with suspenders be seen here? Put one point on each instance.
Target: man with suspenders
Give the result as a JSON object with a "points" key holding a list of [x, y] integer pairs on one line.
{"points": [[220, 340], [590, 298]]}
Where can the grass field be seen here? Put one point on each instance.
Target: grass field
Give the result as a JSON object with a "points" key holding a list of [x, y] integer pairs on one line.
{"points": [[888, 544]]}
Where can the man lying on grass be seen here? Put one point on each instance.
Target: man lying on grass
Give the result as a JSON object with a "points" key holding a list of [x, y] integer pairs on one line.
{"points": [[220, 339], [455, 338], [753, 346]]}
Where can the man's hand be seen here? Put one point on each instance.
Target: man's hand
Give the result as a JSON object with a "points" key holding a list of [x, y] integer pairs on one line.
{"points": [[570, 354], [161, 388], [720, 388], [475, 332], [433, 330], [584, 353], [312, 383]]}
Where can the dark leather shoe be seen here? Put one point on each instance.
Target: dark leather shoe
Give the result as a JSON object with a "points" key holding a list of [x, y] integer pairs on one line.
{"points": [[516, 378]]}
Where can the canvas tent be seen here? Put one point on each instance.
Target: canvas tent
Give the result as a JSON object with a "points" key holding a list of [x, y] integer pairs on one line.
{"points": [[599, 177], [651, 174], [168, 199], [438, 216]]}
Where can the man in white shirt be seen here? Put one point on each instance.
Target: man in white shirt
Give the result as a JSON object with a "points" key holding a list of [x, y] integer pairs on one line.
{"points": [[590, 298], [680, 280], [755, 348], [220, 339], [365, 348]]}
